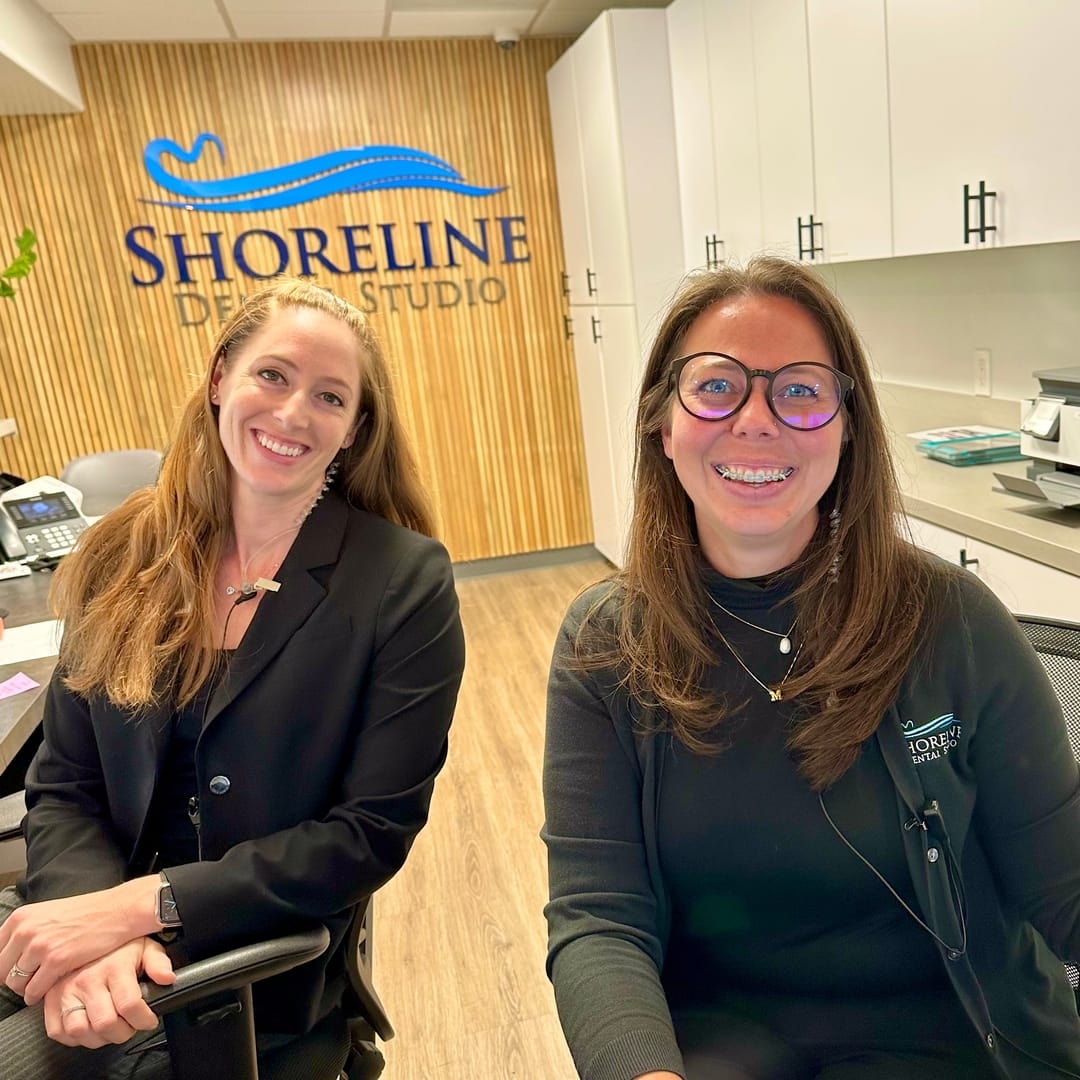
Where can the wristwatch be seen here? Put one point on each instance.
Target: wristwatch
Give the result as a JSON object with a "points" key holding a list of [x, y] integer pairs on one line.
{"points": [[165, 908]]}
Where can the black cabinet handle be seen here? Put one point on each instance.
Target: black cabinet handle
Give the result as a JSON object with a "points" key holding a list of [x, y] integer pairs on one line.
{"points": [[978, 231], [568, 326], [590, 282], [596, 336], [811, 249], [713, 258], [565, 283], [965, 561]]}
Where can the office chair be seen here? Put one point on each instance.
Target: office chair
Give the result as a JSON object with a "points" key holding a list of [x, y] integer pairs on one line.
{"points": [[1058, 646], [207, 1012], [108, 478]]}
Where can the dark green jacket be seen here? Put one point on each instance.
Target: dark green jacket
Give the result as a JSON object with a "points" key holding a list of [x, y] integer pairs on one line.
{"points": [[987, 803]]}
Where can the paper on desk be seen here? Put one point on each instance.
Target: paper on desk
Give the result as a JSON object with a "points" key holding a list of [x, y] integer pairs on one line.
{"points": [[958, 431], [30, 642], [16, 685]]}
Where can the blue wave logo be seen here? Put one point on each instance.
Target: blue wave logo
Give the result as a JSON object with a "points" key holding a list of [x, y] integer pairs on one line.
{"points": [[936, 724], [353, 168]]}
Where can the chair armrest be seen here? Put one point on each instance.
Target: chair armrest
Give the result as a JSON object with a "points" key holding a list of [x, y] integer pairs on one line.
{"points": [[235, 968], [12, 811], [358, 968]]}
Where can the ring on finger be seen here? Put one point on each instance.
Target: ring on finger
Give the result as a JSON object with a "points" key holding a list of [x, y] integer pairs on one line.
{"points": [[17, 972], [68, 1010]]}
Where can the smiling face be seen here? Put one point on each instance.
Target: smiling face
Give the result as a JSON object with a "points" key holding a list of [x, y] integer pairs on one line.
{"points": [[754, 483], [287, 400]]}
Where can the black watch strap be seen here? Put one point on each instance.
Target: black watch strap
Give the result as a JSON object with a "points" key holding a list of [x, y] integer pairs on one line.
{"points": [[166, 911]]}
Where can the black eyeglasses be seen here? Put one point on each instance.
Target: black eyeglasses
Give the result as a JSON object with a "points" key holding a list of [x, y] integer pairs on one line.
{"points": [[714, 386]]}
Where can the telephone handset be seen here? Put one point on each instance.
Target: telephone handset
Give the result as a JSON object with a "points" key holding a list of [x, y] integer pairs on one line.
{"points": [[39, 520], [12, 549]]}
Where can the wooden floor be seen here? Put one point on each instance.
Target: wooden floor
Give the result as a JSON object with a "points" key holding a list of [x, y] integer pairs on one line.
{"points": [[459, 935]]}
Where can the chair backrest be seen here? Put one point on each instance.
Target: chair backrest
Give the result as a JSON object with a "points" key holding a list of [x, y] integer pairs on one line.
{"points": [[108, 478], [1058, 646]]}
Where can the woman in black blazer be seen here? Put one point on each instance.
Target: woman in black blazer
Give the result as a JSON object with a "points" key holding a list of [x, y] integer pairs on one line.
{"points": [[260, 663]]}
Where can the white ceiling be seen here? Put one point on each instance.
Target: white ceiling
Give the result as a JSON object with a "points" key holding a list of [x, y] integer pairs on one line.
{"points": [[265, 20]]}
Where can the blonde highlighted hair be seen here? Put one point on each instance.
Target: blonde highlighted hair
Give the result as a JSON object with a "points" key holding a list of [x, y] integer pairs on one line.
{"points": [[860, 633], [136, 595]]}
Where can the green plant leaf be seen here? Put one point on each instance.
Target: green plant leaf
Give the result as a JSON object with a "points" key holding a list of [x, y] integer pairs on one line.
{"points": [[22, 264]]}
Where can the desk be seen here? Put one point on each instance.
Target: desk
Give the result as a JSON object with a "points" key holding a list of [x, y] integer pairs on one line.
{"points": [[26, 600]]}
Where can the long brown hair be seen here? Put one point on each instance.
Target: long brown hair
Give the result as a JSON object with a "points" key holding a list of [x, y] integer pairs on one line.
{"points": [[136, 595], [861, 625]]}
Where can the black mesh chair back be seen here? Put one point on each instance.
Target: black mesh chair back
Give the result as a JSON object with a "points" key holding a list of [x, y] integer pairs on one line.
{"points": [[1058, 646]]}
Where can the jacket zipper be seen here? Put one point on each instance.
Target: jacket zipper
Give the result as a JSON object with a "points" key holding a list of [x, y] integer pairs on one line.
{"points": [[195, 816]]}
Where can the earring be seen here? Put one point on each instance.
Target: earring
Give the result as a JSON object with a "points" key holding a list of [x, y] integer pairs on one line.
{"points": [[331, 472], [834, 534]]}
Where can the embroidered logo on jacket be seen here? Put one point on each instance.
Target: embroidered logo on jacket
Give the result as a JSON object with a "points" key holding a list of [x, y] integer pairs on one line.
{"points": [[934, 739]]}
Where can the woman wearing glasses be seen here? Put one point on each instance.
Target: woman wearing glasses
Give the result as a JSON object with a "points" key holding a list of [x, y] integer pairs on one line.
{"points": [[811, 808]]}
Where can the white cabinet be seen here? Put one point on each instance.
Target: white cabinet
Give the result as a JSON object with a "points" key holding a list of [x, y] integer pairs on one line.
{"points": [[573, 216], [785, 146], [693, 121], [781, 127], [741, 95], [613, 134], [608, 276], [849, 92], [605, 350], [612, 127], [872, 116], [732, 133], [1024, 586], [983, 91]]}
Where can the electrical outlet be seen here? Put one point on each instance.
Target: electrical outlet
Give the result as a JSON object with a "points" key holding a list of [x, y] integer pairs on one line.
{"points": [[982, 372]]}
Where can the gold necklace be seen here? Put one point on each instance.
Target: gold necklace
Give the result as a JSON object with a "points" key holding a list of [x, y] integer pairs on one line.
{"points": [[774, 695], [785, 639]]}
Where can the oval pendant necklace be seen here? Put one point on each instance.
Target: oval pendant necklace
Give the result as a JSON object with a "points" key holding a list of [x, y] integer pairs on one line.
{"points": [[784, 645]]}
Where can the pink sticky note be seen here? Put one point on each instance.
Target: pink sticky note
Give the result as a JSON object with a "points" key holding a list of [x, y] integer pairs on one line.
{"points": [[17, 684]]}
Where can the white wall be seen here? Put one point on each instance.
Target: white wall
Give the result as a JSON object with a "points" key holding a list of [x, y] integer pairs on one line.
{"points": [[37, 73], [923, 316]]}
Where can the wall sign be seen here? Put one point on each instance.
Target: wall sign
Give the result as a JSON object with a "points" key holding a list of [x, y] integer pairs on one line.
{"points": [[385, 255]]}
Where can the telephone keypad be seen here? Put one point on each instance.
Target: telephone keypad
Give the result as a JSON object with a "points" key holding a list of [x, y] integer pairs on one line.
{"points": [[52, 540]]}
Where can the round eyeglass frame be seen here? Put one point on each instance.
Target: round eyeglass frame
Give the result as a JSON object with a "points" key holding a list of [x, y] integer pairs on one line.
{"points": [[847, 384]]}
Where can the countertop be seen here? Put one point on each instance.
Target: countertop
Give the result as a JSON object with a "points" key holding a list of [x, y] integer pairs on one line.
{"points": [[26, 600], [964, 499]]}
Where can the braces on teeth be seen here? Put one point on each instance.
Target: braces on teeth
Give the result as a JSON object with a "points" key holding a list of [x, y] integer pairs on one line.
{"points": [[754, 476]]}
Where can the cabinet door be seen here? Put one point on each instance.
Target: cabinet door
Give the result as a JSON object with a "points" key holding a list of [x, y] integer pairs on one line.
{"points": [[1024, 586], [688, 53], [729, 32], [648, 167], [592, 398], [942, 542], [983, 90], [621, 356], [569, 175], [605, 196], [785, 139], [849, 91]]}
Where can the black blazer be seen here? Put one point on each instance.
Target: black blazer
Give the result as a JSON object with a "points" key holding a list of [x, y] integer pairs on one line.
{"points": [[315, 766]]}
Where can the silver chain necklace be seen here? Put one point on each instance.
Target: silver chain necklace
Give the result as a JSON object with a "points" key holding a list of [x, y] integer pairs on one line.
{"points": [[246, 589], [778, 693], [785, 639]]}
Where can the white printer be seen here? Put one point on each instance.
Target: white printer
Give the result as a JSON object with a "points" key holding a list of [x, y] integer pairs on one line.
{"points": [[1050, 435]]}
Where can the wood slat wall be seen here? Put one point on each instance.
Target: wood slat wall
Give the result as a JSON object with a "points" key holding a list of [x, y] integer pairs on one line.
{"points": [[90, 362]]}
